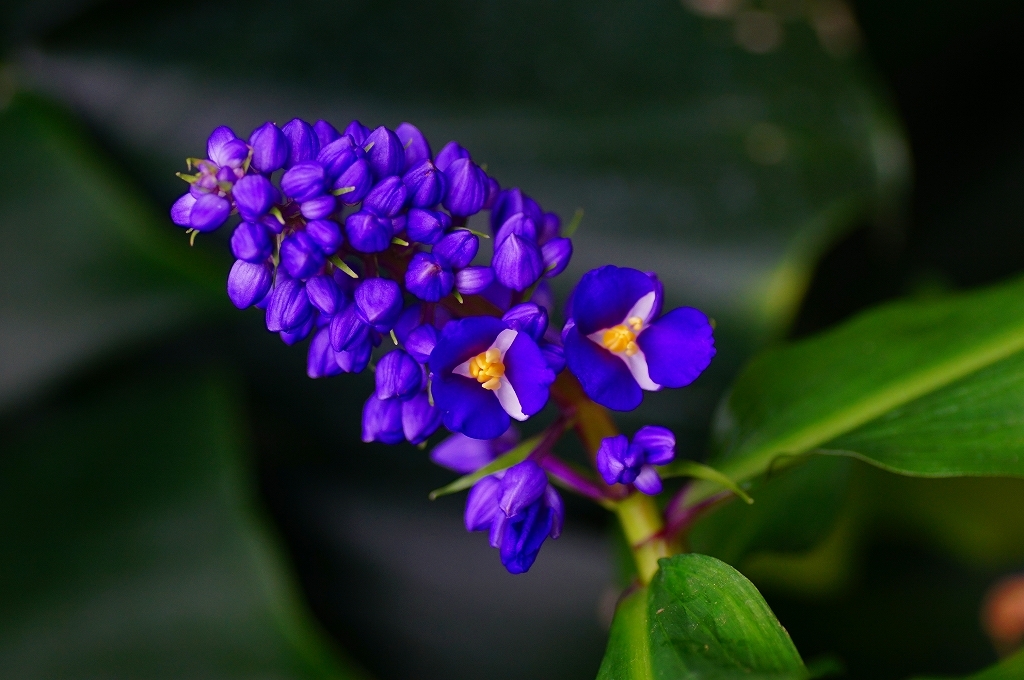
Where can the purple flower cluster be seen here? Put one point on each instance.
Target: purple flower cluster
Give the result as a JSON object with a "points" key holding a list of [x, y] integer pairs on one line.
{"points": [[351, 237]]}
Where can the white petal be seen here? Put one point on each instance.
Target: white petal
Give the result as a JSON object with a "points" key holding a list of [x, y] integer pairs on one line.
{"points": [[504, 341], [643, 308], [463, 368], [637, 365], [509, 400]]}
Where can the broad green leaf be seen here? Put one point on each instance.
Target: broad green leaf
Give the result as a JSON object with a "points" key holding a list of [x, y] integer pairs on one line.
{"points": [[89, 263], [1011, 668], [707, 621], [905, 373], [131, 547], [502, 462], [699, 619], [690, 468]]}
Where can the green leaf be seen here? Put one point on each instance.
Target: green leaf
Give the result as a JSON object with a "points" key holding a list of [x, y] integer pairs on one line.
{"points": [[502, 462], [1010, 668], [690, 468], [707, 621], [919, 387], [699, 619], [131, 546]]}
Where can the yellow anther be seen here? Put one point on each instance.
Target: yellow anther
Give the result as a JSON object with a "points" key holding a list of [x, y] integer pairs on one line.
{"points": [[487, 368], [636, 323], [620, 339]]}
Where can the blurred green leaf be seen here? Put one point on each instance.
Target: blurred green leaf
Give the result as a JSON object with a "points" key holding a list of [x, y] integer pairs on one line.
{"points": [[922, 388], [699, 618], [131, 546], [89, 263]]}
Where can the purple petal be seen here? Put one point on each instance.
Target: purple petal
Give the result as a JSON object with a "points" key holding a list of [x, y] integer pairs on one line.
{"points": [[522, 539], [181, 210], [605, 378], [658, 444], [427, 278], [326, 233], [556, 254], [554, 355], [609, 457], [325, 132], [348, 329], [419, 418], [605, 296], [467, 188], [520, 224], [421, 342], [550, 227], [338, 156], [289, 306], [553, 501], [251, 242], [254, 195], [356, 358], [426, 226], [382, 421], [269, 148], [678, 346], [324, 294], [449, 153], [303, 181], [426, 183], [357, 131], [387, 198], [463, 454], [482, 504], [249, 282], [510, 202], [320, 360], [457, 248], [461, 340], [398, 376], [358, 179], [473, 280], [297, 334], [528, 373], [379, 302], [529, 318], [522, 485], [367, 232], [319, 207], [648, 481], [303, 144], [468, 408], [209, 212], [301, 256], [217, 145], [384, 152], [517, 263], [414, 143]]}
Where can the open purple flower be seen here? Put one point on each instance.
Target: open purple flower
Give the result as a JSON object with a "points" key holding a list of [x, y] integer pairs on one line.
{"points": [[623, 462], [485, 373], [617, 343], [519, 509]]}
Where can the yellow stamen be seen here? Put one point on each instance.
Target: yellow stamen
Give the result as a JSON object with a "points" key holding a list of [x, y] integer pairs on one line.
{"points": [[636, 323], [487, 368], [621, 339]]}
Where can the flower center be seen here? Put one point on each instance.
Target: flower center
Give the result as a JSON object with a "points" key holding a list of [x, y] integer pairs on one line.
{"points": [[487, 368], [622, 338]]}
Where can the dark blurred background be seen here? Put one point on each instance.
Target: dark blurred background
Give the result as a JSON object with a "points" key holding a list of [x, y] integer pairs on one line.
{"points": [[179, 500]]}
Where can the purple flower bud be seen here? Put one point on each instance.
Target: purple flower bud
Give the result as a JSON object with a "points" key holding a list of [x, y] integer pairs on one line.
{"points": [[382, 420], [450, 152], [426, 226], [647, 481], [272, 223], [427, 184], [325, 132], [387, 198], [209, 212], [482, 503], [398, 376], [419, 418], [428, 278], [355, 180], [544, 296], [416, 146], [226, 175], [297, 334], [251, 242], [610, 457], [356, 358], [517, 263], [464, 454], [318, 208], [658, 444], [522, 485], [554, 356], [493, 190], [473, 280], [467, 187], [303, 145], [357, 131], [182, 209], [367, 232], [410, 318], [225, 149], [528, 318], [510, 202], [555, 254], [554, 501], [384, 152], [326, 233], [269, 148], [457, 248], [320, 360], [339, 155], [520, 224], [550, 227], [248, 282], [301, 256], [348, 329], [254, 195], [420, 342], [324, 294], [379, 302], [304, 181], [289, 306]]}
